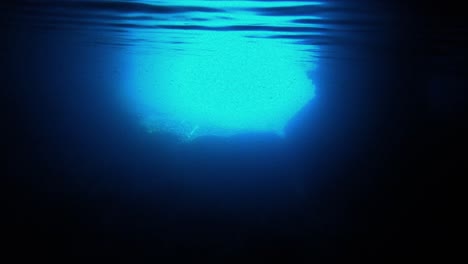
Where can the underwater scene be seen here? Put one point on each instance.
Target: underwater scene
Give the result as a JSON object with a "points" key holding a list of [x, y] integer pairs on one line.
{"points": [[236, 131]]}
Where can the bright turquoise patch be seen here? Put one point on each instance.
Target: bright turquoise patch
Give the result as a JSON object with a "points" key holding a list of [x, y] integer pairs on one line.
{"points": [[218, 83]]}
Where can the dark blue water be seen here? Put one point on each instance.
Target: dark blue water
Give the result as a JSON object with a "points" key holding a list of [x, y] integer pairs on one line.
{"points": [[294, 130]]}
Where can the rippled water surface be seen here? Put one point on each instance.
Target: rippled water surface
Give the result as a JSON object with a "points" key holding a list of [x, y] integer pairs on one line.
{"points": [[195, 68]]}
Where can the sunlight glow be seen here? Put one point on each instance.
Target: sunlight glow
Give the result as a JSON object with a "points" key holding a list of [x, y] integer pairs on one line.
{"points": [[217, 82]]}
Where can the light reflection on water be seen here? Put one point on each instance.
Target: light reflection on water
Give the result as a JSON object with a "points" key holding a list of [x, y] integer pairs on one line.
{"points": [[211, 67], [221, 74]]}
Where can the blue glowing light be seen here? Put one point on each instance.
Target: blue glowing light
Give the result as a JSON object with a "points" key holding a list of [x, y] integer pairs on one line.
{"points": [[218, 82]]}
